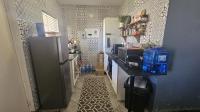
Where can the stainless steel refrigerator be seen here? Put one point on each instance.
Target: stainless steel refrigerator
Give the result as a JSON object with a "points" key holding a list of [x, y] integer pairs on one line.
{"points": [[51, 70]]}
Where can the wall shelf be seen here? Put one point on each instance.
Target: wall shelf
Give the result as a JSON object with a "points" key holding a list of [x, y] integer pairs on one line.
{"points": [[137, 27]]}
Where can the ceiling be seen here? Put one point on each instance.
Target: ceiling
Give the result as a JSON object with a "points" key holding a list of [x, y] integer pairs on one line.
{"points": [[91, 2]]}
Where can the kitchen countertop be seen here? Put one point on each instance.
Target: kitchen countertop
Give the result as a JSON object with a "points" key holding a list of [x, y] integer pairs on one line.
{"points": [[126, 68]]}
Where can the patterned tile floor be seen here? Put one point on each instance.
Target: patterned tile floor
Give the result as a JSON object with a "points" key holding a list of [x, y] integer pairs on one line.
{"points": [[76, 96], [94, 96]]}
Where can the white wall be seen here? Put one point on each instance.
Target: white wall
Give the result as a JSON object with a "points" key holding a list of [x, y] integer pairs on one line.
{"points": [[12, 94]]}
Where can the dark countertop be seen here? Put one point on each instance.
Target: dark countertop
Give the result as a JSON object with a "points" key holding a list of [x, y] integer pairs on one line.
{"points": [[126, 68]]}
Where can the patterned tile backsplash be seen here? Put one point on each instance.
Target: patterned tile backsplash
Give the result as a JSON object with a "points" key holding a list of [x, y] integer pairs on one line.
{"points": [[157, 11], [79, 18]]}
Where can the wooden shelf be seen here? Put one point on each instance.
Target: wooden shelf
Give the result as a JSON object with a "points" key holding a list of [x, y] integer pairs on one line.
{"points": [[136, 28]]}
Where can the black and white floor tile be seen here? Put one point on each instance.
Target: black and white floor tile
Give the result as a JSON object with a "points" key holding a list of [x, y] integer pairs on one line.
{"points": [[94, 94]]}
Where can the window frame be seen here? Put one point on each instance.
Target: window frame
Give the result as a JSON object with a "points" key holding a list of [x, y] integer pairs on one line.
{"points": [[52, 26]]}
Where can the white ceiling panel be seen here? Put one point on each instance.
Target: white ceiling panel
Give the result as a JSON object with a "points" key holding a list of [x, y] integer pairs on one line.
{"points": [[91, 2]]}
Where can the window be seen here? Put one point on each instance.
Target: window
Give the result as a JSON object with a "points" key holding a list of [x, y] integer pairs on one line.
{"points": [[50, 23]]}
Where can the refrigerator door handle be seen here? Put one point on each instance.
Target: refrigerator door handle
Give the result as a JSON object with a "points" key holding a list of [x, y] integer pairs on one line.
{"points": [[62, 63]]}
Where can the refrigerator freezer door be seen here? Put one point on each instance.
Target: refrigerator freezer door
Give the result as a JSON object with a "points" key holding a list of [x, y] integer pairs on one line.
{"points": [[63, 49]]}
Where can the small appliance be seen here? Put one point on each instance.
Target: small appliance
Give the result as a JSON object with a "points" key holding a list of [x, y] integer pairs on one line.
{"points": [[116, 47], [155, 61], [133, 57]]}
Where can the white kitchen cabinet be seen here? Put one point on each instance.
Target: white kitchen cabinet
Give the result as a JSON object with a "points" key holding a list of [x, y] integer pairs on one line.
{"points": [[74, 71], [122, 77], [114, 75]]}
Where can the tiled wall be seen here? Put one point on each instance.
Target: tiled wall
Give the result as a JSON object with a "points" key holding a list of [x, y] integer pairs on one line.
{"points": [[23, 14], [157, 11], [78, 18]]}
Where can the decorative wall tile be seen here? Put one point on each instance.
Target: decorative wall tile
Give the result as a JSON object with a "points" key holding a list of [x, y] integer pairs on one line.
{"points": [[25, 14], [25, 30], [80, 18], [157, 11], [28, 12]]}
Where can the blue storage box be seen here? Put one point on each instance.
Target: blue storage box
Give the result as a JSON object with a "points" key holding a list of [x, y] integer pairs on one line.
{"points": [[155, 61], [40, 29]]}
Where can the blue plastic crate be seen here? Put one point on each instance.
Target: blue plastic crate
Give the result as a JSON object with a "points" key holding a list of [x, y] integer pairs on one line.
{"points": [[155, 61], [155, 56]]}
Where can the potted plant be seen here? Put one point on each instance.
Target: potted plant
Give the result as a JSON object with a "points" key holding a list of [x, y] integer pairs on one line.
{"points": [[121, 20], [124, 20]]}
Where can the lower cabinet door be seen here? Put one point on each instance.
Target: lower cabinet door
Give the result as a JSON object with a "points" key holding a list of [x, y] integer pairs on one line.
{"points": [[114, 75], [122, 77]]}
